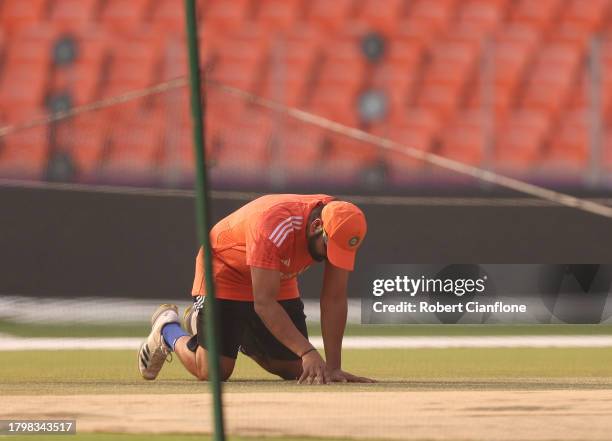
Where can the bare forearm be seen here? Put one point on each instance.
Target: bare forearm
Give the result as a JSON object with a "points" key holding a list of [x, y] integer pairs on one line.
{"points": [[333, 322], [280, 325]]}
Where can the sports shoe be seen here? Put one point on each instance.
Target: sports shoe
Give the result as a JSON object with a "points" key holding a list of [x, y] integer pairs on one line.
{"points": [[190, 317], [189, 322], [153, 352]]}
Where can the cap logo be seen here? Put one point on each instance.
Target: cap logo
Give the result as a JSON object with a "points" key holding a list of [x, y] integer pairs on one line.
{"points": [[353, 241]]}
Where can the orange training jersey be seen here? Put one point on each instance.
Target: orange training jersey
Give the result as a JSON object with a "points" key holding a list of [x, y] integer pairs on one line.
{"points": [[269, 232]]}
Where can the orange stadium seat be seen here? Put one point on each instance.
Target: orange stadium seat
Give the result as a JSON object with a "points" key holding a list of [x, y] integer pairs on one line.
{"points": [[22, 92], [31, 46], [606, 73], [24, 78], [299, 151], [179, 157], [401, 164], [224, 112], [416, 128], [570, 143], [509, 63], [445, 61], [580, 96], [519, 141], [83, 76], [134, 65], [19, 14], [228, 14], [135, 149], [606, 154], [346, 158], [239, 64], [174, 57], [337, 102], [497, 84], [334, 71], [124, 14], [398, 83], [239, 74], [211, 40], [177, 142], [452, 63], [168, 16], [343, 148], [444, 78], [330, 14], [245, 151], [420, 119], [290, 72], [415, 30], [571, 33], [465, 139], [85, 138], [521, 34], [385, 18], [433, 16], [552, 77], [24, 154], [481, 15], [407, 54], [280, 13], [585, 15], [540, 13], [73, 13], [248, 45], [335, 91], [443, 99]]}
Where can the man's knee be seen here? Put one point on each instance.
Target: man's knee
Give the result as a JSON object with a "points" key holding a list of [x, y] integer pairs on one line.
{"points": [[225, 370]]}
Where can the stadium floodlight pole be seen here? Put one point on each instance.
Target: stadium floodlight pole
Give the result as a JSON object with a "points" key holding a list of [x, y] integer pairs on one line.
{"points": [[202, 216]]}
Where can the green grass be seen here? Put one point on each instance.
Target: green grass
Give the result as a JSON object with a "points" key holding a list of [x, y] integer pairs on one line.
{"points": [[142, 329], [73, 329], [110, 372]]}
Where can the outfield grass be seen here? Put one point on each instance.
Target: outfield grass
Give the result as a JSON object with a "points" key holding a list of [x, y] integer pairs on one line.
{"points": [[142, 329], [85, 372]]}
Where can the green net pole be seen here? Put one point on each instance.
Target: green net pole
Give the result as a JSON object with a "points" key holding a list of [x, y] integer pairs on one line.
{"points": [[197, 111]]}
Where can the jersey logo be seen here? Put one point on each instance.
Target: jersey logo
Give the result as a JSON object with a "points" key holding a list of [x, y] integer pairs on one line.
{"points": [[286, 262], [283, 229]]}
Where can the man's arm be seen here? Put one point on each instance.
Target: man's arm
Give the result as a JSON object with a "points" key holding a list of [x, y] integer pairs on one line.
{"points": [[334, 309], [266, 286]]}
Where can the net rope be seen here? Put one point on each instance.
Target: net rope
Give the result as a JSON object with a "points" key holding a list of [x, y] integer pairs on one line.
{"points": [[541, 193]]}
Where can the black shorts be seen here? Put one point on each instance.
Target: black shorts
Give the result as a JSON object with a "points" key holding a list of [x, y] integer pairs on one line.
{"points": [[241, 329]]}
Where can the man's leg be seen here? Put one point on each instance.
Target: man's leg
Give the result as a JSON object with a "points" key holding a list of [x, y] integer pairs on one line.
{"points": [[197, 362], [190, 346], [258, 343], [286, 369]]}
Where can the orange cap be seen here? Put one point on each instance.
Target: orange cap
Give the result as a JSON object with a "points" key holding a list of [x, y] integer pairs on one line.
{"points": [[345, 226]]}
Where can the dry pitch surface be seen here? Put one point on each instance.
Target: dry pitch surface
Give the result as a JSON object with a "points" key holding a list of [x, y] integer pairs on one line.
{"points": [[413, 415], [438, 394]]}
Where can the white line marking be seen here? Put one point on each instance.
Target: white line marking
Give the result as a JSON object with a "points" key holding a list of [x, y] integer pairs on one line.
{"points": [[9, 343]]}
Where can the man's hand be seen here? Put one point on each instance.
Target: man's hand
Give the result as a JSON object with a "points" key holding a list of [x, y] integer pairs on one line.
{"points": [[340, 376], [314, 370]]}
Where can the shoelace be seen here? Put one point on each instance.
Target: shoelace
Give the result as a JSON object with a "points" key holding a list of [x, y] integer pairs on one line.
{"points": [[163, 352], [167, 353]]}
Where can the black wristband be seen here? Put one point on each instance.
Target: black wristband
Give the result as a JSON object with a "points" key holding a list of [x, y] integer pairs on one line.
{"points": [[309, 350]]}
